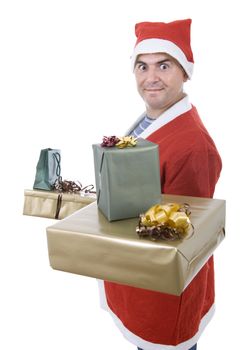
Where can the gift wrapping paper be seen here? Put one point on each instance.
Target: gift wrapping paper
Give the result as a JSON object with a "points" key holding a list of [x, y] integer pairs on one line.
{"points": [[54, 205], [86, 243], [127, 180]]}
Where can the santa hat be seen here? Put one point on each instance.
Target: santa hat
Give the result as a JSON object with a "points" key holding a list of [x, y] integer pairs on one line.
{"points": [[171, 38]]}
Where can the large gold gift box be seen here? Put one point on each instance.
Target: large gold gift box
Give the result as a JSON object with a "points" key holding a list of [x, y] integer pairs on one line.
{"points": [[87, 243], [53, 205]]}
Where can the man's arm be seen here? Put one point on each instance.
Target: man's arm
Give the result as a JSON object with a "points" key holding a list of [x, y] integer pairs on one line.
{"points": [[194, 173]]}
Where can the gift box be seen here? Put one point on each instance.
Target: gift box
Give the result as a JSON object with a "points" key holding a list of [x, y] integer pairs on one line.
{"points": [[54, 205], [87, 243], [127, 180]]}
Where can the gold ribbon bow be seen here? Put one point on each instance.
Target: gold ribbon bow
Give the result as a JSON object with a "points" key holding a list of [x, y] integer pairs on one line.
{"points": [[167, 221], [126, 141]]}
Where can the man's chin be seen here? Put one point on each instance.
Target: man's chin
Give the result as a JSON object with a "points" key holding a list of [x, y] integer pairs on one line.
{"points": [[155, 104]]}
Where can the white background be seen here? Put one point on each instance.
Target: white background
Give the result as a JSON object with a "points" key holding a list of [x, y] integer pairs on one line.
{"points": [[65, 82]]}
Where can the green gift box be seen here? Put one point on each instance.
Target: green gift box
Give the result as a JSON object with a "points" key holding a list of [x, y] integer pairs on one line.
{"points": [[127, 180]]}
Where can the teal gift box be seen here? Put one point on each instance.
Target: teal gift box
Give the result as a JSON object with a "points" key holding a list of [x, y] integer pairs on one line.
{"points": [[127, 180]]}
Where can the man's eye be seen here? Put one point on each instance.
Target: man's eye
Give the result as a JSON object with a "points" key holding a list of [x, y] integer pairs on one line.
{"points": [[142, 67], [163, 66]]}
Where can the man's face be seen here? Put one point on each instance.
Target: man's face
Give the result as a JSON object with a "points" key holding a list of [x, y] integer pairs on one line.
{"points": [[160, 80]]}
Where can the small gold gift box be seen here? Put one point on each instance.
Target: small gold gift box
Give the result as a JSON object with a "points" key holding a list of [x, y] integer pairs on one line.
{"points": [[54, 205], [87, 243]]}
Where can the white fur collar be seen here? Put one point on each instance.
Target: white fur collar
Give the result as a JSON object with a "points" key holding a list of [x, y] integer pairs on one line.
{"points": [[170, 114]]}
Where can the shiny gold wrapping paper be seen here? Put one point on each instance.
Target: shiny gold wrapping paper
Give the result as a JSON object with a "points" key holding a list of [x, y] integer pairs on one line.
{"points": [[44, 203], [87, 243]]}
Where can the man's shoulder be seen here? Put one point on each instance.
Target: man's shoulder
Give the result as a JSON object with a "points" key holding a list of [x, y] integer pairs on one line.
{"points": [[185, 134], [185, 126]]}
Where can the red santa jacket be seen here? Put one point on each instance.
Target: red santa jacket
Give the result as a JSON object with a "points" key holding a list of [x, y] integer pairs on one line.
{"points": [[190, 165]]}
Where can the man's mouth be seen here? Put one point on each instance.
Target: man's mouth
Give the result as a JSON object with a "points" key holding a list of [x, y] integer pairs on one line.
{"points": [[154, 90]]}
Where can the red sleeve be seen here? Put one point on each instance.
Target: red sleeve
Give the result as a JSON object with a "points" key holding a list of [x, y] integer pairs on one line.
{"points": [[194, 173]]}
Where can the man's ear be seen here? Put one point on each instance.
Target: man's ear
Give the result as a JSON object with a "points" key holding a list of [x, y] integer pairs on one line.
{"points": [[185, 77]]}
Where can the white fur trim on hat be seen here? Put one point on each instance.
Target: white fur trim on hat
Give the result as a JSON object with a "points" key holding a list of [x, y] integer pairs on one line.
{"points": [[166, 46]]}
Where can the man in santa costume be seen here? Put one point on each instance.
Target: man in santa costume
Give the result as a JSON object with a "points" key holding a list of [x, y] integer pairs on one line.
{"points": [[190, 165]]}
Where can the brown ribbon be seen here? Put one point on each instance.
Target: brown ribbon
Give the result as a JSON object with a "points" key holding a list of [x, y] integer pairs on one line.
{"points": [[58, 207], [69, 187]]}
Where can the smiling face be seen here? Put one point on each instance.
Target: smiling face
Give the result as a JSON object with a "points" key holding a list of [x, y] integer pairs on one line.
{"points": [[160, 80]]}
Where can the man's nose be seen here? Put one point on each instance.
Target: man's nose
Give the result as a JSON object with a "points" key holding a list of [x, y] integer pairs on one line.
{"points": [[152, 75]]}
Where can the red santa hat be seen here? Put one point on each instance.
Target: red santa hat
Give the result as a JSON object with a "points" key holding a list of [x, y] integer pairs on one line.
{"points": [[171, 38]]}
